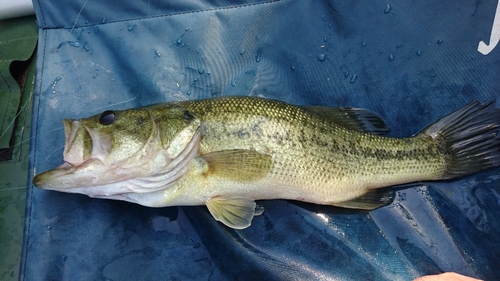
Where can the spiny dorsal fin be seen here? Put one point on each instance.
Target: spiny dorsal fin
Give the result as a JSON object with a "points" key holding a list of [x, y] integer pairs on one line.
{"points": [[372, 200], [235, 212], [238, 164], [356, 119]]}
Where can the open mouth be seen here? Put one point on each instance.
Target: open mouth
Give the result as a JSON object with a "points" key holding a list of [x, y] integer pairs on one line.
{"points": [[84, 151], [77, 144], [83, 143], [77, 154]]}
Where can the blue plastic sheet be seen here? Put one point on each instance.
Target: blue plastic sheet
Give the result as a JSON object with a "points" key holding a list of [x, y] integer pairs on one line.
{"points": [[410, 61]]}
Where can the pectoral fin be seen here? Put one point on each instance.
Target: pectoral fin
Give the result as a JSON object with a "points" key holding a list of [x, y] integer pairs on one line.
{"points": [[372, 200], [238, 165], [235, 212]]}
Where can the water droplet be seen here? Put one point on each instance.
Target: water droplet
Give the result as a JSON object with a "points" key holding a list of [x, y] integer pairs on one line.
{"points": [[242, 52], [353, 79], [419, 53], [323, 17], [131, 27], [292, 67], [257, 58], [387, 9], [195, 79], [94, 76], [321, 57], [86, 21], [75, 44], [49, 227], [325, 39], [439, 41], [346, 74], [103, 21], [186, 29], [179, 41], [96, 29], [157, 53], [86, 48], [201, 70], [189, 93], [54, 84], [363, 44], [208, 84], [398, 46], [233, 83], [391, 57]]}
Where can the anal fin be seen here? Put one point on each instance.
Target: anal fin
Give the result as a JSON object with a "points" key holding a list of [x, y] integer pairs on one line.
{"points": [[372, 200]]}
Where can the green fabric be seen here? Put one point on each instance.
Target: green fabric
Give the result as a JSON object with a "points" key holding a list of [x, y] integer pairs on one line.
{"points": [[18, 38]]}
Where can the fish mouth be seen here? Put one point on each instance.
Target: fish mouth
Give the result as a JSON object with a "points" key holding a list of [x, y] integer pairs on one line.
{"points": [[84, 150], [59, 178], [83, 143], [77, 142]]}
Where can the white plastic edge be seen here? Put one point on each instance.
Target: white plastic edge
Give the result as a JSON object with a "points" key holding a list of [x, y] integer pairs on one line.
{"points": [[15, 8]]}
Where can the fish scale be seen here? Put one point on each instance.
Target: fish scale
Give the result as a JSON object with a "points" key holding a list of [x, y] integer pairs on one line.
{"points": [[323, 160]]}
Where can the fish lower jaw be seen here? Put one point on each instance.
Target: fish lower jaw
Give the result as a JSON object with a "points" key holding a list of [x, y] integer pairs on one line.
{"points": [[68, 175]]}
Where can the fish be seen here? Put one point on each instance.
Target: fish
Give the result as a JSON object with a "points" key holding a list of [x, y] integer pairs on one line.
{"points": [[229, 152]]}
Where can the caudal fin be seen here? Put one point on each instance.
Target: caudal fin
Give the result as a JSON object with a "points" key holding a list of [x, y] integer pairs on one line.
{"points": [[469, 138]]}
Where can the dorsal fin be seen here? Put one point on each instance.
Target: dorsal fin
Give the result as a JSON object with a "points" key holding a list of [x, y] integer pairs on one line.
{"points": [[357, 119]]}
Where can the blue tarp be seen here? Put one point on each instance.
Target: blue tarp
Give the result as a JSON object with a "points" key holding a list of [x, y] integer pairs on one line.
{"points": [[410, 61]]}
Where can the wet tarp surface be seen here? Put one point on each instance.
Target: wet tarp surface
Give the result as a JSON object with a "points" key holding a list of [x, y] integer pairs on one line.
{"points": [[410, 61]]}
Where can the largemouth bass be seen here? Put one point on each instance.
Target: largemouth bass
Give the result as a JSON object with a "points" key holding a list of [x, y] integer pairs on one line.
{"points": [[227, 152]]}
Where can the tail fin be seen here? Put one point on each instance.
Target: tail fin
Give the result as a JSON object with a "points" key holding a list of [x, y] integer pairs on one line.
{"points": [[469, 137]]}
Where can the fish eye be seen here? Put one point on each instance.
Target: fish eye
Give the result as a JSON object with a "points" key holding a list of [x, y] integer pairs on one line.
{"points": [[187, 115], [107, 117]]}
